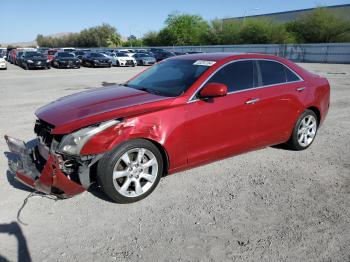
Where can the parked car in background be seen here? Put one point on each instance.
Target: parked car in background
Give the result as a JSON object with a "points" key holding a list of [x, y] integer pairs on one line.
{"points": [[3, 53], [94, 59], [156, 50], [194, 52], [10, 56], [67, 49], [34, 60], [43, 50], [17, 58], [65, 60], [159, 56], [51, 53], [79, 54], [128, 52], [3, 63], [124, 60], [144, 59], [112, 56], [180, 53]]}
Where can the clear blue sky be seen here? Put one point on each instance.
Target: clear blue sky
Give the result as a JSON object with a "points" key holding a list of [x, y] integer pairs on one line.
{"points": [[22, 20]]}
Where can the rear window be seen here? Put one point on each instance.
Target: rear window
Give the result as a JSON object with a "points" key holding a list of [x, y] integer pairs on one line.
{"points": [[275, 73]]}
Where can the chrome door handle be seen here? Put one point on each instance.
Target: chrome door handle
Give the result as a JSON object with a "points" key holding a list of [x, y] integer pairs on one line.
{"points": [[300, 89], [252, 101]]}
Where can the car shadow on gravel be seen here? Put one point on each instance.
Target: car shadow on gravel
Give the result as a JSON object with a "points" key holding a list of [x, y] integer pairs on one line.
{"points": [[282, 146], [96, 191]]}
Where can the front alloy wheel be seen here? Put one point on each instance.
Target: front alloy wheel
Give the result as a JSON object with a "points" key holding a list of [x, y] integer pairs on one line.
{"points": [[131, 171], [135, 172]]}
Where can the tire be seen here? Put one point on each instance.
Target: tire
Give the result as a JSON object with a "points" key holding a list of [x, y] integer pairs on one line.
{"points": [[118, 65], [133, 176], [304, 131]]}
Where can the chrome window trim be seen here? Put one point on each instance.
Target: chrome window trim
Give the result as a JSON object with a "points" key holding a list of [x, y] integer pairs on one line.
{"points": [[192, 98]]}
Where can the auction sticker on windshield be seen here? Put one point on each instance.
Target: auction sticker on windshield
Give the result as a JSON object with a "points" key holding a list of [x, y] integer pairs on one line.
{"points": [[204, 63]]}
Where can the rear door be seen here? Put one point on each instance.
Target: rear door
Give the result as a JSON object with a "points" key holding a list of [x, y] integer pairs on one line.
{"points": [[281, 96], [222, 126]]}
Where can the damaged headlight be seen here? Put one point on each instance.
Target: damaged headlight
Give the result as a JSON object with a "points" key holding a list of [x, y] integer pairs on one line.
{"points": [[73, 143]]}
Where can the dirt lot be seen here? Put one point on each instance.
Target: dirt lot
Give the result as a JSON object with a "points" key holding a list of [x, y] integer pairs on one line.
{"points": [[268, 205]]}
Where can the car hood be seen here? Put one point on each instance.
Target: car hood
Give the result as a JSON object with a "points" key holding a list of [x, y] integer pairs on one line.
{"points": [[75, 111]]}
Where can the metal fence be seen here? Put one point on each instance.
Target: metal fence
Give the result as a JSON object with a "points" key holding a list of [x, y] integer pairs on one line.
{"points": [[313, 53]]}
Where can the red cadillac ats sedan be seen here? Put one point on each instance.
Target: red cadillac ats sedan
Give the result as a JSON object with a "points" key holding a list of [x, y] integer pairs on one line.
{"points": [[183, 112]]}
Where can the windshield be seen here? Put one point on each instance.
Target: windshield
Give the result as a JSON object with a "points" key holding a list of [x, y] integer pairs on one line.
{"points": [[65, 54], [169, 78]]}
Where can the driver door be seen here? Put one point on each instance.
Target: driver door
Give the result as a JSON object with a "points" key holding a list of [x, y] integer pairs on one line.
{"points": [[222, 126]]}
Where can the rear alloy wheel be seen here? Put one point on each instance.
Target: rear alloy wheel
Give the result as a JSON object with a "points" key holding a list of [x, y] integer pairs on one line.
{"points": [[304, 131], [131, 171]]}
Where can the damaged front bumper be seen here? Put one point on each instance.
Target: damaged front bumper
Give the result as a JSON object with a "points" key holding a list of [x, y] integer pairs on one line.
{"points": [[48, 177]]}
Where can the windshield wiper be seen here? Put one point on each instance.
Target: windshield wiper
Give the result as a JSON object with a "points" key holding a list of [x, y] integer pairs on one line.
{"points": [[148, 90], [152, 91]]}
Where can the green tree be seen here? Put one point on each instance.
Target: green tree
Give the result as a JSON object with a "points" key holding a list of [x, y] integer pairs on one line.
{"points": [[320, 26], [263, 31], [183, 29], [151, 38], [223, 32], [98, 36]]}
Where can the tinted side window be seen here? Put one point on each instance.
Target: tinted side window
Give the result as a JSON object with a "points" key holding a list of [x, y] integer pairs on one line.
{"points": [[237, 76], [275, 73], [291, 76], [272, 72]]}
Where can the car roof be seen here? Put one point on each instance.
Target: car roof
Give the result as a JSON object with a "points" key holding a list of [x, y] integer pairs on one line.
{"points": [[221, 56]]}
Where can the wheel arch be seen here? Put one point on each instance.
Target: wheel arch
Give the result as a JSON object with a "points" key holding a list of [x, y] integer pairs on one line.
{"points": [[317, 112], [164, 154]]}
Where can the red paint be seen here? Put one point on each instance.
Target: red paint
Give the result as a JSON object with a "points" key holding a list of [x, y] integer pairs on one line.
{"points": [[51, 54], [24, 179], [191, 133], [213, 90]]}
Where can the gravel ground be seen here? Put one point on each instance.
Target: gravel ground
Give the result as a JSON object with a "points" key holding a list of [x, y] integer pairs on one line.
{"points": [[268, 205]]}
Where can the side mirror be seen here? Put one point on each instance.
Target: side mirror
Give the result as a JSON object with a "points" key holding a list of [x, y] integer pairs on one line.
{"points": [[211, 90]]}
